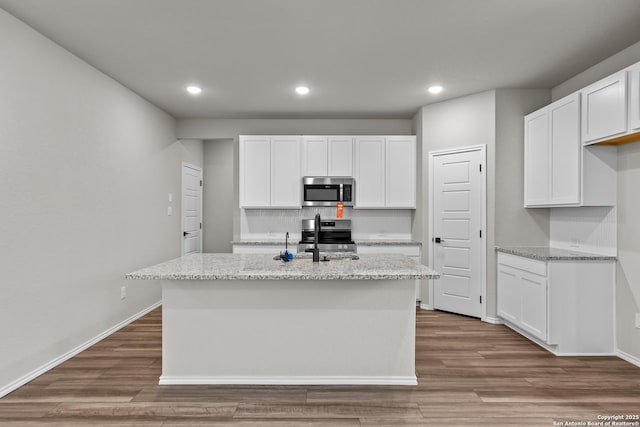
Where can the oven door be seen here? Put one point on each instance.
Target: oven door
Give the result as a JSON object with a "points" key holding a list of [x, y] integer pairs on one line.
{"points": [[321, 194]]}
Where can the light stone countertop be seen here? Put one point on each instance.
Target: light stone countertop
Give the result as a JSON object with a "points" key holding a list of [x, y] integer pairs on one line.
{"points": [[294, 242], [263, 267], [547, 253]]}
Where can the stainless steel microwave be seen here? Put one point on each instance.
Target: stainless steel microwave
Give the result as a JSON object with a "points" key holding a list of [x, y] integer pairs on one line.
{"points": [[327, 191]]}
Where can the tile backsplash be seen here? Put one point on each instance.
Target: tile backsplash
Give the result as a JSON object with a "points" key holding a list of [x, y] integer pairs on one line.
{"points": [[380, 224], [588, 229]]}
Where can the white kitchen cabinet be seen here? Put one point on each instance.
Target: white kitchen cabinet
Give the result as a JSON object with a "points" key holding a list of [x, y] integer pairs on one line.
{"points": [[340, 156], [604, 108], [522, 294], [327, 156], [536, 159], [412, 251], [255, 171], [370, 172], [314, 155], [566, 306], [270, 172], [634, 98], [400, 186], [385, 172], [559, 170], [285, 172]]}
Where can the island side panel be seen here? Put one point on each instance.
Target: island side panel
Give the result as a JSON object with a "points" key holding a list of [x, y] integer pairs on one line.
{"points": [[288, 332]]}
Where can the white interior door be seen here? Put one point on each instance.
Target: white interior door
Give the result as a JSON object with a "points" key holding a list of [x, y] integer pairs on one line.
{"points": [[457, 213], [191, 209]]}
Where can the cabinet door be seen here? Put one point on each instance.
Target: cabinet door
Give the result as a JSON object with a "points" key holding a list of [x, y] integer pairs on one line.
{"points": [[509, 306], [604, 108], [370, 172], [537, 159], [534, 305], [634, 98], [400, 188], [285, 172], [340, 154], [314, 156], [255, 172], [564, 123]]}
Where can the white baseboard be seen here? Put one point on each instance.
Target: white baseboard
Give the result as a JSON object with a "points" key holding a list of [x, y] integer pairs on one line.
{"points": [[295, 380], [492, 320], [628, 357], [4, 390], [426, 307]]}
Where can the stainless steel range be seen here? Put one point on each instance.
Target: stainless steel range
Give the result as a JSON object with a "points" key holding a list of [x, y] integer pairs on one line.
{"points": [[334, 236]]}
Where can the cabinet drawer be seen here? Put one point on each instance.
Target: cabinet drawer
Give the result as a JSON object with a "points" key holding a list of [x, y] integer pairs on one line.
{"points": [[521, 263]]}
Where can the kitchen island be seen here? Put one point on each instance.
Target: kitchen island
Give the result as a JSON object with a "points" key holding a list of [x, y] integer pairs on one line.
{"points": [[250, 319]]}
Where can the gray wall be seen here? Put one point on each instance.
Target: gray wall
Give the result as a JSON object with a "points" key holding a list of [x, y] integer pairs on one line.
{"points": [[628, 267], [219, 196], [515, 225], [456, 123], [493, 118], [86, 168], [224, 130]]}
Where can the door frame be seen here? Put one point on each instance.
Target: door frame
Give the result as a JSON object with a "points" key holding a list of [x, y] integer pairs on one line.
{"points": [[483, 220], [198, 168]]}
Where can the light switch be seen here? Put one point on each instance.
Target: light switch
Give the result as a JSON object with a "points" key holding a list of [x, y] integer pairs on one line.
{"points": [[638, 320], [169, 211], [170, 197]]}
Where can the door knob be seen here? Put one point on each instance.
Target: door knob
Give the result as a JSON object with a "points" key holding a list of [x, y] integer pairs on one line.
{"points": [[438, 240], [185, 233]]}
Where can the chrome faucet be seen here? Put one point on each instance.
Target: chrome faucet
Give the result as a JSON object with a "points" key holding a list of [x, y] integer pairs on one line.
{"points": [[316, 236]]}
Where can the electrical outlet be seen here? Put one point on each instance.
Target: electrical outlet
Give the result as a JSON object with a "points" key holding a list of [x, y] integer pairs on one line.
{"points": [[123, 292], [638, 320]]}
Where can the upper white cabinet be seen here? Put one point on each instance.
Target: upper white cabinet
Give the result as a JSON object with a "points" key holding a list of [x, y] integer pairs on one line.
{"points": [[269, 171], [314, 156], [400, 186], [369, 171], [340, 156], [634, 98], [537, 151], [385, 172], [327, 156], [604, 108], [559, 171], [255, 171]]}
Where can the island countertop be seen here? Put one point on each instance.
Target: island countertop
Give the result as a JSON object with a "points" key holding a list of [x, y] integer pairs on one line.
{"points": [[208, 266]]}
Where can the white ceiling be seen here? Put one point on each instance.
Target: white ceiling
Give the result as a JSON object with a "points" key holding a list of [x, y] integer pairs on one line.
{"points": [[361, 58]]}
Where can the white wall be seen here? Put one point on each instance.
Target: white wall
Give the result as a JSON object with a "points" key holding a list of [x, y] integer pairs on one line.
{"points": [[86, 167], [248, 223], [628, 238]]}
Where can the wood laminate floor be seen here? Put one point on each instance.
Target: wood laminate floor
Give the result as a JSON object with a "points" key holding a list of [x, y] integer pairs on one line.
{"points": [[470, 373]]}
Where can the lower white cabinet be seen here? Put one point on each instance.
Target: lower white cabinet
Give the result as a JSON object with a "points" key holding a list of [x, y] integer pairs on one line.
{"points": [[522, 294], [566, 306], [412, 251]]}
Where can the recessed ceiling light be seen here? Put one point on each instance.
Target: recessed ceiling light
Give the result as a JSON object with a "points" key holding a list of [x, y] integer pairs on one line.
{"points": [[434, 90], [194, 90], [302, 90]]}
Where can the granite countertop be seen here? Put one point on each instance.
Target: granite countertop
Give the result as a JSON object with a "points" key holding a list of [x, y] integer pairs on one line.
{"points": [[264, 267], [293, 242], [547, 253]]}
